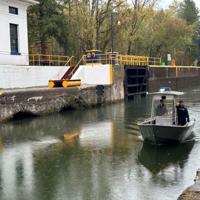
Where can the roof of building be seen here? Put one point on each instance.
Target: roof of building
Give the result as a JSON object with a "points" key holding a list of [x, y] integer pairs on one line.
{"points": [[31, 2]]}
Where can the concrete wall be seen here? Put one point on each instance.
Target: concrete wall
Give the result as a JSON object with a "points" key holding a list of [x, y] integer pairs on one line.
{"points": [[28, 76], [96, 74], [21, 21], [192, 192], [12, 76], [167, 76], [157, 73], [41, 101]]}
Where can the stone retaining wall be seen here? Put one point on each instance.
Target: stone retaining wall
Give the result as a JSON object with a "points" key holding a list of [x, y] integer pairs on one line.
{"points": [[192, 192]]}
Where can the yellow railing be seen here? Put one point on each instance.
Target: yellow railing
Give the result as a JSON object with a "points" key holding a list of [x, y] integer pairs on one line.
{"points": [[75, 67], [137, 60], [99, 58], [110, 58], [51, 60], [70, 62]]}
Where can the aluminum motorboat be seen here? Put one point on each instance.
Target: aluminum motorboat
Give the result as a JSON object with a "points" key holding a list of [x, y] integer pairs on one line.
{"points": [[162, 127]]}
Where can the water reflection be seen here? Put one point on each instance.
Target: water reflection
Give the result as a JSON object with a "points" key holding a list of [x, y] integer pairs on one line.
{"points": [[16, 168], [99, 138], [157, 158], [104, 162], [36, 163]]}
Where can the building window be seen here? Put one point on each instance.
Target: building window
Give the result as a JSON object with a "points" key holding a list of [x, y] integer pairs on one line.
{"points": [[14, 39], [13, 10]]}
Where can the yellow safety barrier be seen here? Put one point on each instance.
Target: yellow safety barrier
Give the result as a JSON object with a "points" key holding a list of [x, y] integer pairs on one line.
{"points": [[54, 83], [51, 84], [137, 60], [64, 83], [115, 58], [53, 60], [107, 58], [71, 83], [176, 68]]}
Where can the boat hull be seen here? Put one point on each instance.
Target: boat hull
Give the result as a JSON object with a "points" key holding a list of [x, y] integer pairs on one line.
{"points": [[159, 134]]}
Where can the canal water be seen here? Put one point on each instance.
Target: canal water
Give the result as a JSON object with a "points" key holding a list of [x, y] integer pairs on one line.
{"points": [[107, 162]]}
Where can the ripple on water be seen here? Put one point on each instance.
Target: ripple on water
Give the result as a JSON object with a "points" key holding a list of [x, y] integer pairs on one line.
{"points": [[106, 162], [194, 111]]}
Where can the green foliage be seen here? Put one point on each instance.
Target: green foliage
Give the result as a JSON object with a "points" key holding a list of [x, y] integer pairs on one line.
{"points": [[46, 21], [73, 26], [188, 11]]}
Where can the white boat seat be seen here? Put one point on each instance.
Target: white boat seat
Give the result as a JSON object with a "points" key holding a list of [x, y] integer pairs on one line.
{"points": [[161, 120]]}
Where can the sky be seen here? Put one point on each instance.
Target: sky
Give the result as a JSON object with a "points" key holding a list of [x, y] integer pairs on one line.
{"points": [[166, 3]]}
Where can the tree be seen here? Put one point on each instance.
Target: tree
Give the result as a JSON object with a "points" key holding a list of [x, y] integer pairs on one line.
{"points": [[46, 21], [73, 26], [188, 11], [163, 32], [135, 15]]}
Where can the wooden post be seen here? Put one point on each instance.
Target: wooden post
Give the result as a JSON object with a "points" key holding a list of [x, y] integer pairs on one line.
{"points": [[176, 71]]}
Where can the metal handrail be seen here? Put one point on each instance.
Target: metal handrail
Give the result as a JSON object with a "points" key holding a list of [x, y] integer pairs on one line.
{"points": [[138, 60], [110, 58], [70, 62], [42, 59], [75, 67]]}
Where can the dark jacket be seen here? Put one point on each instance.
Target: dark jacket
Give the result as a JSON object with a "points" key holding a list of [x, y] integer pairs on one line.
{"points": [[182, 114]]}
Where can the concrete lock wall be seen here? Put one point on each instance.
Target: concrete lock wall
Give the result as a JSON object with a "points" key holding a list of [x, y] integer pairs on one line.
{"points": [[19, 19], [96, 74], [176, 79], [39, 101], [28, 76], [35, 76]]}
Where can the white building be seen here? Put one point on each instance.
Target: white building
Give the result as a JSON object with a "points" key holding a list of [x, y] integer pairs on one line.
{"points": [[15, 71], [13, 32]]}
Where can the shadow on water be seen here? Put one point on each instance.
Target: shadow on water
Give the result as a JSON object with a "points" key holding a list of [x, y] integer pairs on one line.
{"points": [[157, 158], [23, 116], [56, 125]]}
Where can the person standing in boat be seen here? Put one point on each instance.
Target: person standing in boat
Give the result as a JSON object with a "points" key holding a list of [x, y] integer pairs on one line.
{"points": [[161, 109], [182, 114]]}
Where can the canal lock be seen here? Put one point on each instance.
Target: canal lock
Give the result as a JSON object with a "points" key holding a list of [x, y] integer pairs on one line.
{"points": [[135, 81]]}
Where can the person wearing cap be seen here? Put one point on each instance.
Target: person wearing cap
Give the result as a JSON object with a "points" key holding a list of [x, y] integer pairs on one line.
{"points": [[182, 114]]}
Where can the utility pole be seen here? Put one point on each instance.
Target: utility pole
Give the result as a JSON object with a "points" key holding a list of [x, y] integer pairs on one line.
{"points": [[112, 31]]}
